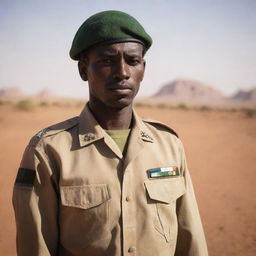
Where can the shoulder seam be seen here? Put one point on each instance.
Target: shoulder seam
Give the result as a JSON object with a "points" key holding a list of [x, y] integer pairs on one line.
{"points": [[54, 129], [151, 121]]}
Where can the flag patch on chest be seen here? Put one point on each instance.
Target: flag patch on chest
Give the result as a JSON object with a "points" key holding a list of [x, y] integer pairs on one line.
{"points": [[163, 172]]}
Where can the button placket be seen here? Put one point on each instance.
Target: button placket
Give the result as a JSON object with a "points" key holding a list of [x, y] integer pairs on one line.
{"points": [[128, 216], [132, 249], [128, 199]]}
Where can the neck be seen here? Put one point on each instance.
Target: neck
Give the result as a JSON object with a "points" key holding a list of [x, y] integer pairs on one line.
{"points": [[111, 118]]}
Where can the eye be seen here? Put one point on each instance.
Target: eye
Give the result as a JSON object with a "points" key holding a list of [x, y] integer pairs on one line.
{"points": [[133, 61], [106, 60]]}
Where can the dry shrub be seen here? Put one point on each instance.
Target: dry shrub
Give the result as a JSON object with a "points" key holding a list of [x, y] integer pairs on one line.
{"points": [[26, 105], [233, 110], [162, 105], [4, 102], [61, 104], [205, 108], [249, 112], [143, 105], [182, 106], [44, 104], [56, 104], [139, 104]]}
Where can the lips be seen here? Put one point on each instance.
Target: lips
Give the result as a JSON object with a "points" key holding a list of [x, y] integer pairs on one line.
{"points": [[120, 88]]}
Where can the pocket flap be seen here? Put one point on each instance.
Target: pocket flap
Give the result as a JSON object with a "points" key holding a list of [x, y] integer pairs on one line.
{"points": [[84, 197], [165, 190]]}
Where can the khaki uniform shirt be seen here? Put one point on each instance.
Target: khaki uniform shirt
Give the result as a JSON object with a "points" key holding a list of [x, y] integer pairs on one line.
{"points": [[75, 194]]}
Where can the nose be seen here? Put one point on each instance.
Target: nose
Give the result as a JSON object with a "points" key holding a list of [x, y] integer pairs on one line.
{"points": [[122, 70]]}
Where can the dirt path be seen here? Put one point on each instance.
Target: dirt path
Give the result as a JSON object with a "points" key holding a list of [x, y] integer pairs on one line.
{"points": [[221, 153]]}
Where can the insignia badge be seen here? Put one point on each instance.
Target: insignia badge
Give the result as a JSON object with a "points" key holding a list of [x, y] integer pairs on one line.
{"points": [[163, 172], [89, 136], [145, 136]]}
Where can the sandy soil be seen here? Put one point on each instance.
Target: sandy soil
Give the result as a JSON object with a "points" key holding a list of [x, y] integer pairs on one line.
{"points": [[221, 153]]}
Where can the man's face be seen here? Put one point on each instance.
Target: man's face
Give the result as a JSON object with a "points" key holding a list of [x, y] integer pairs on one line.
{"points": [[114, 73]]}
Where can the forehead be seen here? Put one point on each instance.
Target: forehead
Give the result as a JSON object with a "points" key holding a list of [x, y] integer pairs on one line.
{"points": [[128, 48]]}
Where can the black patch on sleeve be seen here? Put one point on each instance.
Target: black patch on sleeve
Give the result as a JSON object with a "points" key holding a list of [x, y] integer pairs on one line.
{"points": [[25, 177]]}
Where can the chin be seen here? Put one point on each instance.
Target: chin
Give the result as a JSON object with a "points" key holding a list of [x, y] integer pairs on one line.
{"points": [[120, 103]]}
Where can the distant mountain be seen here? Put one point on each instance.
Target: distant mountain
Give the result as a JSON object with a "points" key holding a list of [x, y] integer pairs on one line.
{"points": [[15, 92], [189, 90], [45, 94], [12, 92], [242, 95]]}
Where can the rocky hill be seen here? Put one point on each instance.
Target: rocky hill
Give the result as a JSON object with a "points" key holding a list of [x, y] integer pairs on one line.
{"points": [[248, 96], [16, 93], [46, 94], [11, 92], [189, 91]]}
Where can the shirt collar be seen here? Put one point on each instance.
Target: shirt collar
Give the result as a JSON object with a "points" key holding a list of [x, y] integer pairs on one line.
{"points": [[91, 131]]}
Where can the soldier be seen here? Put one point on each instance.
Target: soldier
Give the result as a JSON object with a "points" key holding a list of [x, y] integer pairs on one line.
{"points": [[107, 182]]}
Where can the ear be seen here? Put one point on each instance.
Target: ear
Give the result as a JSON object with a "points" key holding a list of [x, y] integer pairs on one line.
{"points": [[82, 67], [144, 66]]}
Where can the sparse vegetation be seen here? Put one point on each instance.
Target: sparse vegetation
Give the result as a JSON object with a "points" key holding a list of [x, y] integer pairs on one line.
{"points": [[205, 108], [249, 112], [139, 104], [26, 105], [30, 104], [56, 104], [44, 104], [232, 110], [182, 106], [4, 102], [143, 105], [162, 105]]}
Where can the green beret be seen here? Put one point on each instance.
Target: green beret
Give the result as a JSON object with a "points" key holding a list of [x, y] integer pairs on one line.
{"points": [[108, 27]]}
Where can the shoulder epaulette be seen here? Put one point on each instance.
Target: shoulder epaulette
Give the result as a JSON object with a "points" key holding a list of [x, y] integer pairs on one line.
{"points": [[159, 124], [54, 129]]}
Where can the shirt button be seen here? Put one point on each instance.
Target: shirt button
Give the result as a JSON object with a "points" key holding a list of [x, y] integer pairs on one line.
{"points": [[128, 199], [132, 249]]}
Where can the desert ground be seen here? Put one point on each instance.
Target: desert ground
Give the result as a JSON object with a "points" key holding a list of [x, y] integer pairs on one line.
{"points": [[221, 153]]}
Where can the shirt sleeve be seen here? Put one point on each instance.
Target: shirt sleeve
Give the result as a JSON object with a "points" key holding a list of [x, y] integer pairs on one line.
{"points": [[36, 206], [191, 239]]}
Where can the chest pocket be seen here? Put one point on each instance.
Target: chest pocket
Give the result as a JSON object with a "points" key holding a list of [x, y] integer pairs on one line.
{"points": [[84, 210], [163, 195], [84, 197]]}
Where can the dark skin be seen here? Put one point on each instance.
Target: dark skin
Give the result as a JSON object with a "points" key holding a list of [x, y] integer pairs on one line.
{"points": [[114, 73]]}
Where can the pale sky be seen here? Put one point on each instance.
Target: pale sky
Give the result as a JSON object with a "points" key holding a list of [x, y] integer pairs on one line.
{"points": [[213, 41]]}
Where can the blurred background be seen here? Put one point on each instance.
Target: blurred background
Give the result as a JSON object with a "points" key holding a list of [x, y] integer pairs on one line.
{"points": [[200, 79], [212, 41]]}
